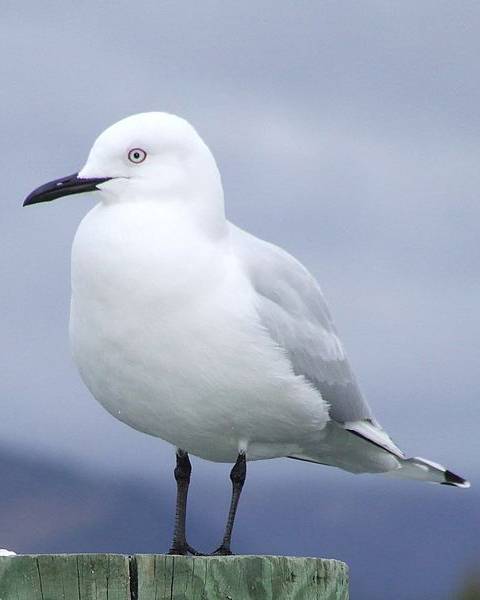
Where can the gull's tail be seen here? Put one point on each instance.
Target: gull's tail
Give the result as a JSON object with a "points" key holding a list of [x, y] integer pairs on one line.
{"points": [[371, 450], [407, 468], [426, 470]]}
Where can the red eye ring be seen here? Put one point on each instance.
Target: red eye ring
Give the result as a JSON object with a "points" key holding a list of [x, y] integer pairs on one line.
{"points": [[137, 155]]}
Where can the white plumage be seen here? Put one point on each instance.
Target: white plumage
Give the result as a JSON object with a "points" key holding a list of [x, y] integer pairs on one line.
{"points": [[190, 329]]}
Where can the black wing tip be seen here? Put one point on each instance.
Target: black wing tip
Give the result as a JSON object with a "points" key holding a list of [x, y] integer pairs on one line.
{"points": [[455, 480]]}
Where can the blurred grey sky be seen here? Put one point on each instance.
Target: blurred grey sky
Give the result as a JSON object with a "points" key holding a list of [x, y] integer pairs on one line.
{"points": [[347, 132]]}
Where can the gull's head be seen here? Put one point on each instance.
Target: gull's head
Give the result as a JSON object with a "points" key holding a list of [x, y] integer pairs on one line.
{"points": [[149, 157]]}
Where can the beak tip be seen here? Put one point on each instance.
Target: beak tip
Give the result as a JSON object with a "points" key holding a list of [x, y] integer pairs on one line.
{"points": [[72, 184]]}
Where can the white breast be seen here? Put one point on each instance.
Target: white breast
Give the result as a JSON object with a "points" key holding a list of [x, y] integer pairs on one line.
{"points": [[165, 335]]}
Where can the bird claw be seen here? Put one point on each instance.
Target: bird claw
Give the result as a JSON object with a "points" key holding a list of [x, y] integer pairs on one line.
{"points": [[184, 550], [222, 551], [194, 552]]}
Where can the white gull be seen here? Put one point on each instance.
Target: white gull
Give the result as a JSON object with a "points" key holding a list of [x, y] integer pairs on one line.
{"points": [[187, 328]]}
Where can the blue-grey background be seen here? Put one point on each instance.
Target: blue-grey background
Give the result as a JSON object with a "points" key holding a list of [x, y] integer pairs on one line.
{"points": [[347, 132]]}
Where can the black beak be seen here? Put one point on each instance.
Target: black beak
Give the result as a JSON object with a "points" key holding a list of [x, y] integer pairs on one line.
{"points": [[65, 186]]}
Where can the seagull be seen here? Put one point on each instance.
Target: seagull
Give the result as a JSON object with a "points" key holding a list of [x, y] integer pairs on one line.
{"points": [[190, 329]]}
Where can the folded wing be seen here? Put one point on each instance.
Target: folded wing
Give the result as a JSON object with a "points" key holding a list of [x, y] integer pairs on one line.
{"points": [[292, 308]]}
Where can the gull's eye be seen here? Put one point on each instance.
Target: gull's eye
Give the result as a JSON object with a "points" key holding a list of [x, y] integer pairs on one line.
{"points": [[137, 155]]}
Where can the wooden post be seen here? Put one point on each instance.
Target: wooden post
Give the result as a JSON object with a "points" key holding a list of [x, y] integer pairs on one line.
{"points": [[162, 577]]}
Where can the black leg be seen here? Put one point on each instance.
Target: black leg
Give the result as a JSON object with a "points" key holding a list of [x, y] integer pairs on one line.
{"points": [[182, 477], [237, 476]]}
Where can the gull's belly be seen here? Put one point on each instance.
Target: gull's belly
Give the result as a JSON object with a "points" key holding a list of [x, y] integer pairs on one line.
{"points": [[166, 337], [204, 380]]}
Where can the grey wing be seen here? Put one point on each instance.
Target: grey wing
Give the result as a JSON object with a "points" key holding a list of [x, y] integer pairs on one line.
{"points": [[292, 308]]}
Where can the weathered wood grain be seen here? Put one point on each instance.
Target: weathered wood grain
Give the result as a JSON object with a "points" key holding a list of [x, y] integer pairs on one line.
{"points": [[240, 578], [163, 577], [65, 577]]}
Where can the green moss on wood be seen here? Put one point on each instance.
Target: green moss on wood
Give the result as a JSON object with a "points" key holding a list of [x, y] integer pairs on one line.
{"points": [[162, 577]]}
